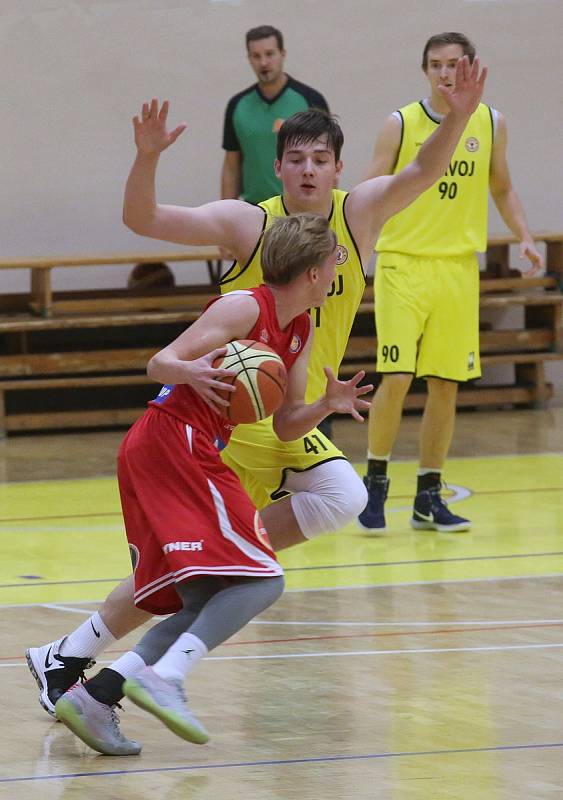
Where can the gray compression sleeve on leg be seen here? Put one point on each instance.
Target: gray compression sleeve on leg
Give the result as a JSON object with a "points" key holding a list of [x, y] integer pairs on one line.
{"points": [[156, 642], [230, 609]]}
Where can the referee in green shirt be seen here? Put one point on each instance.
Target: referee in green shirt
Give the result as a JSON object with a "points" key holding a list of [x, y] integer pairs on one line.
{"points": [[253, 118]]}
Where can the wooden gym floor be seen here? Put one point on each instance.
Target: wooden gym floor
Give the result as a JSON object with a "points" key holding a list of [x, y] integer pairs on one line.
{"points": [[415, 665]]}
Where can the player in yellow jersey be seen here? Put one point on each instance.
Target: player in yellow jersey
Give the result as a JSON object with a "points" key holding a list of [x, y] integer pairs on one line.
{"points": [[318, 489], [427, 280]]}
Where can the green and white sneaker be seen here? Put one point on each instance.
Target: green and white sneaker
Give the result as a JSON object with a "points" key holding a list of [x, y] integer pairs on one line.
{"points": [[166, 700], [94, 723]]}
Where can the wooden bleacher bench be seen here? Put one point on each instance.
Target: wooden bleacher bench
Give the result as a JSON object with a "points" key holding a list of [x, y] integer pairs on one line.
{"points": [[498, 254], [42, 302], [29, 362], [527, 348], [92, 344]]}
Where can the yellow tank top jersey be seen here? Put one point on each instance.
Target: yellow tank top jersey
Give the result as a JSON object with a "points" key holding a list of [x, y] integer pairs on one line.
{"points": [[333, 322], [450, 218]]}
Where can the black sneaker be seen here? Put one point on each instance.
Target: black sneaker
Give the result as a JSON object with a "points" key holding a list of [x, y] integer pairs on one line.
{"points": [[55, 674], [372, 517], [431, 513]]}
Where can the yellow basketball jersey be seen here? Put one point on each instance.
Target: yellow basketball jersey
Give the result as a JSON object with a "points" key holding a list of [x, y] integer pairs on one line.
{"points": [[333, 322], [450, 218]]}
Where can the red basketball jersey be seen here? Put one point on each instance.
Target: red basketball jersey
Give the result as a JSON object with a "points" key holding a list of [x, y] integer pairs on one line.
{"points": [[184, 402]]}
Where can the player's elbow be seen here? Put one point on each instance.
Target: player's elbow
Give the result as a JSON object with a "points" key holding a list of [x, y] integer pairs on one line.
{"points": [[282, 428], [154, 368], [134, 222], [140, 221]]}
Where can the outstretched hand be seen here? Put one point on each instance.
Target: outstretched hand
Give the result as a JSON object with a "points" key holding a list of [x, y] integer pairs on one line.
{"points": [[151, 134], [465, 95], [343, 397]]}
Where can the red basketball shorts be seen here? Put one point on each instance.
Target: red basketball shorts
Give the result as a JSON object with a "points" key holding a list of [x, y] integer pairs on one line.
{"points": [[186, 513]]}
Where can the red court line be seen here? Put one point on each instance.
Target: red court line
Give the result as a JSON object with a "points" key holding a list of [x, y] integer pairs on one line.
{"points": [[364, 636], [397, 633]]}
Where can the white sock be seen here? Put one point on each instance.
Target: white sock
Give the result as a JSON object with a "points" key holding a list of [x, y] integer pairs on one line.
{"points": [[428, 470], [128, 665], [181, 657], [88, 640]]}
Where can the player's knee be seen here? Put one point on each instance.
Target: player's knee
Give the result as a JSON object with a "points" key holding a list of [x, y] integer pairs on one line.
{"points": [[326, 508], [396, 386], [442, 389], [275, 587]]}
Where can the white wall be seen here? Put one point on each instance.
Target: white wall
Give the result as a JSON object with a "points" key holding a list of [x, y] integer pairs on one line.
{"points": [[75, 71]]}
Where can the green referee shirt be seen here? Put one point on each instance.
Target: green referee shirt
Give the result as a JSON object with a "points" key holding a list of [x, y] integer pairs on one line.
{"points": [[251, 125]]}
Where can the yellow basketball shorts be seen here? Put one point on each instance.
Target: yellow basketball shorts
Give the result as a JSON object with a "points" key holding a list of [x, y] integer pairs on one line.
{"points": [[427, 316], [261, 460]]}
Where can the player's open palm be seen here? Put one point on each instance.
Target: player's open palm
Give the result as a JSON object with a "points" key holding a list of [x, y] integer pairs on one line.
{"points": [[465, 95], [344, 397], [151, 133]]}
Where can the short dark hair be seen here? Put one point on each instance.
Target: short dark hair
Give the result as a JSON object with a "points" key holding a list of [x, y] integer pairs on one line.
{"points": [[308, 126], [441, 39], [264, 32], [292, 245]]}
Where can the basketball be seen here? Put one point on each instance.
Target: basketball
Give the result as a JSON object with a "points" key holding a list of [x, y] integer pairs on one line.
{"points": [[260, 382]]}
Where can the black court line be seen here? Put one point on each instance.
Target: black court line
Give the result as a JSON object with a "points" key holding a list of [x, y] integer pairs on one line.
{"points": [[6, 520], [421, 561], [361, 565], [60, 516], [280, 762]]}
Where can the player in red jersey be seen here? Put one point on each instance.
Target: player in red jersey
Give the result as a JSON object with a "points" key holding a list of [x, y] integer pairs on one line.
{"points": [[199, 549], [322, 490]]}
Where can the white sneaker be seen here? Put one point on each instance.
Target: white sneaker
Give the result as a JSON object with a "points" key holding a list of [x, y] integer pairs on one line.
{"points": [[55, 674], [167, 701]]}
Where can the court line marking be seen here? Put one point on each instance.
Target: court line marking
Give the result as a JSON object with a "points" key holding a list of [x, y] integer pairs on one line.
{"points": [[369, 635], [408, 563], [361, 586], [407, 584], [453, 459], [317, 568], [356, 624], [70, 609], [348, 653], [463, 493], [282, 761], [441, 623]]}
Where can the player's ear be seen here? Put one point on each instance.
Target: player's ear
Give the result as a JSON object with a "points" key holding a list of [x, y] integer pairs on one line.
{"points": [[277, 168], [339, 166]]}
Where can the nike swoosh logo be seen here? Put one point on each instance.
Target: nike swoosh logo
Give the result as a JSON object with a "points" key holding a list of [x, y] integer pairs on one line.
{"points": [[427, 517], [96, 633], [47, 662], [187, 652]]}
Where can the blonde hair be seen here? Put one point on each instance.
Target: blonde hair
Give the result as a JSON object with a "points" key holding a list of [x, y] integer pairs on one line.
{"points": [[292, 245]]}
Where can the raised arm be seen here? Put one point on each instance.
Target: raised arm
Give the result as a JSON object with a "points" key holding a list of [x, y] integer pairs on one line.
{"points": [[372, 202], [228, 223], [507, 201]]}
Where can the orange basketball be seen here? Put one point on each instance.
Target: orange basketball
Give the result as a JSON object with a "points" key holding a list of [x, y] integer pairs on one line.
{"points": [[260, 382]]}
